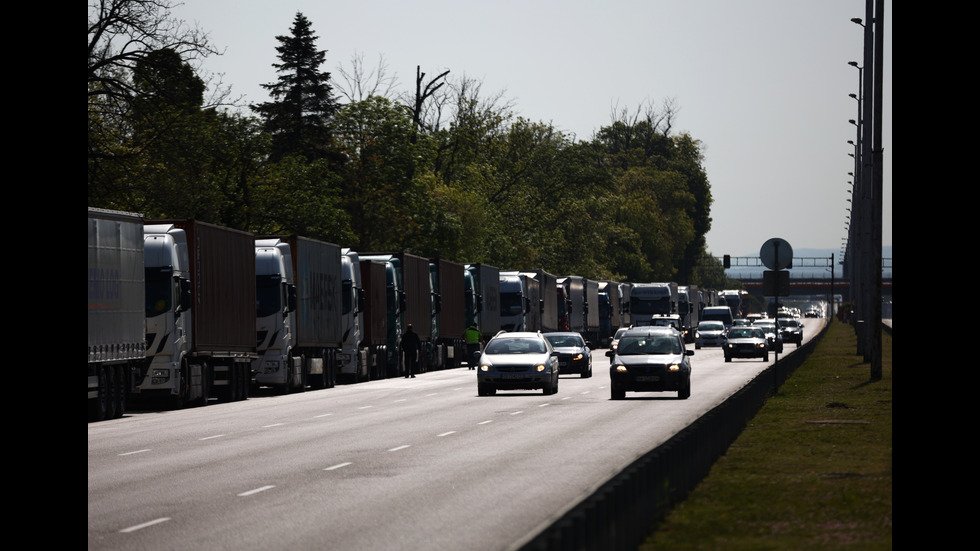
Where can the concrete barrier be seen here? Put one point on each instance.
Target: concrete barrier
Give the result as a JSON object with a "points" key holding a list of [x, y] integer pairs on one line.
{"points": [[620, 514]]}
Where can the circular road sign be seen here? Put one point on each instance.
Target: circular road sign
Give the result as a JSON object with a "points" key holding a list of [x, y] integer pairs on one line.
{"points": [[776, 254]]}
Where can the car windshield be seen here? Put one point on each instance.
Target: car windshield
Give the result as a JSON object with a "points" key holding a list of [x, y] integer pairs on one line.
{"points": [[515, 346], [711, 326], [619, 332], [565, 340], [649, 345], [788, 323], [744, 333]]}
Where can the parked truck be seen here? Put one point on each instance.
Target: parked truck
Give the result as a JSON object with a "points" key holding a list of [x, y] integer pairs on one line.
{"points": [[574, 294], [413, 294], [486, 290], [688, 308], [116, 310], [520, 309], [448, 313], [649, 299], [299, 312], [610, 311], [358, 352], [375, 277], [200, 312], [547, 298]]}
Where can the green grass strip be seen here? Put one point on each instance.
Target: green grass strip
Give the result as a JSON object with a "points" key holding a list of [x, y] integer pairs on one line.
{"points": [[813, 470]]}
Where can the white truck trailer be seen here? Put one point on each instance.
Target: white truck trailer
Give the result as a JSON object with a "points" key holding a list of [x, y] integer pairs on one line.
{"points": [[116, 319]]}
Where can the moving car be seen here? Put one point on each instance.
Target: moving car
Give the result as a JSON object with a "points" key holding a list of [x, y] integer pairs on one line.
{"points": [[773, 337], [709, 333], [792, 330], [746, 342], [615, 340], [574, 354], [650, 359], [517, 361]]}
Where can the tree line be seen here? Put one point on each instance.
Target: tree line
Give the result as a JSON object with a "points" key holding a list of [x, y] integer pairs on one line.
{"points": [[442, 171]]}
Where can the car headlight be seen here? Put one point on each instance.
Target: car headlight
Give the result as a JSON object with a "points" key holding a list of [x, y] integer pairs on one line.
{"points": [[539, 368], [674, 367], [761, 345], [484, 367], [620, 368], [577, 357]]}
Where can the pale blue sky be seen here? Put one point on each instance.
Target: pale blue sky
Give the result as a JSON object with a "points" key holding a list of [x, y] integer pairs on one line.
{"points": [[763, 84]]}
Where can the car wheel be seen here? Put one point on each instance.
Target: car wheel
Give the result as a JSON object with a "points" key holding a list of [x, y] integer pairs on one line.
{"points": [[685, 392], [697, 347], [766, 357], [616, 394], [728, 358]]}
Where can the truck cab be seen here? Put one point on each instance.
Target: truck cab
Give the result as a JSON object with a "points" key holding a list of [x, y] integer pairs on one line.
{"points": [[275, 305], [168, 315], [514, 302], [353, 356]]}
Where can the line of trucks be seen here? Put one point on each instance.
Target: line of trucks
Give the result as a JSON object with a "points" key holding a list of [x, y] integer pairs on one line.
{"points": [[181, 311]]}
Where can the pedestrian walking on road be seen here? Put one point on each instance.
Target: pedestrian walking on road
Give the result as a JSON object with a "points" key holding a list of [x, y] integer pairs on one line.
{"points": [[410, 346]]}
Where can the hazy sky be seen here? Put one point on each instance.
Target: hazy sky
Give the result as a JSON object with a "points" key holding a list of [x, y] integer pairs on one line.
{"points": [[763, 84]]}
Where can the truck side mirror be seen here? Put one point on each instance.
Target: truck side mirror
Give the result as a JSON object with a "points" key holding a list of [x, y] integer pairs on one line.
{"points": [[290, 298], [361, 300], [185, 294]]}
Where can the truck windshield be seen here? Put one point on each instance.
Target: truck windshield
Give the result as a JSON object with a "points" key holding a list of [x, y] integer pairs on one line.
{"points": [[268, 295], [645, 306], [159, 291], [511, 304]]}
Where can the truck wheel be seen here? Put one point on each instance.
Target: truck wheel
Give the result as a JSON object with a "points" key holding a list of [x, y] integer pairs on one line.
{"points": [[97, 407], [206, 378], [120, 375], [179, 400], [111, 390]]}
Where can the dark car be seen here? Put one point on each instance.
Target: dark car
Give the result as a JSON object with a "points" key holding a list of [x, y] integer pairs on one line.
{"points": [[517, 361], [574, 353], [650, 359], [791, 329], [746, 341]]}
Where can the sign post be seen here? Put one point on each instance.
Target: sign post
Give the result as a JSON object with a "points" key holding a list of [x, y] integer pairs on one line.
{"points": [[777, 255]]}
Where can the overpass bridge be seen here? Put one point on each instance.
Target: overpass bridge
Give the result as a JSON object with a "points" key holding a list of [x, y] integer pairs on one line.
{"points": [[815, 286], [807, 276]]}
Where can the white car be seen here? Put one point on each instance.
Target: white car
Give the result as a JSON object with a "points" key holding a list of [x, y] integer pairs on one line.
{"points": [[517, 361], [709, 333]]}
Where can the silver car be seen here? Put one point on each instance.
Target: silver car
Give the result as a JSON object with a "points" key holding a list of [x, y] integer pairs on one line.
{"points": [[517, 361], [709, 333]]}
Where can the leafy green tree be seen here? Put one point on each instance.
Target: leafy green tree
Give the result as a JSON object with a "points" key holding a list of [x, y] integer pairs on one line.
{"points": [[295, 196], [299, 117], [384, 203]]}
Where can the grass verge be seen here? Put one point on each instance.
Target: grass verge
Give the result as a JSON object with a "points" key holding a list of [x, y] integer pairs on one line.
{"points": [[812, 470]]}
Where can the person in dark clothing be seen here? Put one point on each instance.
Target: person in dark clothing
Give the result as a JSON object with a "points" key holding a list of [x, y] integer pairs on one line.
{"points": [[410, 346]]}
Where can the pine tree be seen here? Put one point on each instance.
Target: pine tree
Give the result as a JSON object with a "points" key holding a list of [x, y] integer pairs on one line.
{"points": [[300, 115]]}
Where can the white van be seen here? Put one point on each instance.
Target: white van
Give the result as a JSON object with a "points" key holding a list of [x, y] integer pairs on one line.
{"points": [[717, 313]]}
